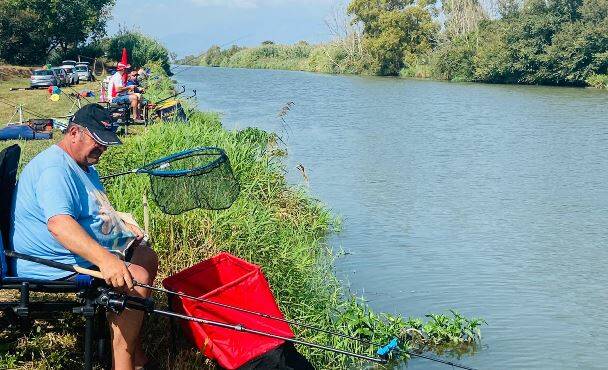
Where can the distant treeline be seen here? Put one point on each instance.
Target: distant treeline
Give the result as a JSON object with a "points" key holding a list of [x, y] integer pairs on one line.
{"points": [[549, 42]]}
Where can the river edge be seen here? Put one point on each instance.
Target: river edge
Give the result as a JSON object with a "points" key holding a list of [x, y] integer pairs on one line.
{"points": [[271, 219], [414, 77]]}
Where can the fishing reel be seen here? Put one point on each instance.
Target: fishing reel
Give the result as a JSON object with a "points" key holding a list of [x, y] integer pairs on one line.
{"points": [[117, 302]]}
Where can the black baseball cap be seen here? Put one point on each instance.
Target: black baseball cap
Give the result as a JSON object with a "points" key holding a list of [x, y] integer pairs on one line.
{"points": [[97, 120]]}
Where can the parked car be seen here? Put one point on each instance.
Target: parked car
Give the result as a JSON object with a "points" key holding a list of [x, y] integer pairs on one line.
{"points": [[43, 78], [62, 77], [84, 72], [72, 75], [71, 63]]}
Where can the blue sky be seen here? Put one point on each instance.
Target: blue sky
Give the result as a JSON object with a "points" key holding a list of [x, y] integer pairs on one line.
{"points": [[192, 26]]}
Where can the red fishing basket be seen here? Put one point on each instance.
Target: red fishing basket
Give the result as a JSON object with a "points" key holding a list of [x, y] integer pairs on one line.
{"points": [[229, 280]]}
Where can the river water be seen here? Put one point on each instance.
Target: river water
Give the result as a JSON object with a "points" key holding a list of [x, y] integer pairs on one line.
{"points": [[492, 200]]}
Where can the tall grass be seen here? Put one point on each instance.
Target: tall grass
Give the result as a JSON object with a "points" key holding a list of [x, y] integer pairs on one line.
{"points": [[271, 56], [336, 57]]}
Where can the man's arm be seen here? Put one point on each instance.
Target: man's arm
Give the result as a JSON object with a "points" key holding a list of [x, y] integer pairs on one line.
{"points": [[125, 88], [74, 238]]}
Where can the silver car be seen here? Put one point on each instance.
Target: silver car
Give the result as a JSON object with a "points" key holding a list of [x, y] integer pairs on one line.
{"points": [[43, 78], [72, 75], [68, 63], [84, 73]]}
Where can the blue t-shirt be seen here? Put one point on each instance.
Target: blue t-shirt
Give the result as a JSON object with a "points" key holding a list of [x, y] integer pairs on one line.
{"points": [[53, 184]]}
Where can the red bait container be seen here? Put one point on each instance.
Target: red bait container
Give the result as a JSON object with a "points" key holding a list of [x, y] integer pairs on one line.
{"points": [[229, 280]]}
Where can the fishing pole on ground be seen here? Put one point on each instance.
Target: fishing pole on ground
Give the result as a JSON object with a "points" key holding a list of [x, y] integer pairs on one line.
{"points": [[176, 94], [117, 302], [78, 95]]}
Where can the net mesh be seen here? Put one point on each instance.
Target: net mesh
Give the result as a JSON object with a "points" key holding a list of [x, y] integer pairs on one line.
{"points": [[199, 178]]}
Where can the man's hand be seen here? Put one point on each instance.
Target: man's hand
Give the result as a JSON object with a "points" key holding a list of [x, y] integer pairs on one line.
{"points": [[139, 234], [116, 273]]}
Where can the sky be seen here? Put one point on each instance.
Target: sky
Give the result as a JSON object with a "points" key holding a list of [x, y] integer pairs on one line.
{"points": [[189, 27]]}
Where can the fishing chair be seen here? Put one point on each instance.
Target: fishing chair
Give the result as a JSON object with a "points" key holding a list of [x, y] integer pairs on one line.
{"points": [[20, 312]]}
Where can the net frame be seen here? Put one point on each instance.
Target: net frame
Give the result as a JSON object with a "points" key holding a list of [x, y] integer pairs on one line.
{"points": [[156, 172], [150, 167]]}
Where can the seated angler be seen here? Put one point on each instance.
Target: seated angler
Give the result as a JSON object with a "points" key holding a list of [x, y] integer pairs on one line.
{"points": [[121, 93], [61, 213], [133, 80]]}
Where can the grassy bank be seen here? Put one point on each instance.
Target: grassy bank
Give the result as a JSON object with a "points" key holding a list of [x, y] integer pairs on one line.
{"points": [[272, 224], [37, 102]]}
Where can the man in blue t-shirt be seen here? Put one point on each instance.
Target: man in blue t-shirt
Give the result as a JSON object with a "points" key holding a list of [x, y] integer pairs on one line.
{"points": [[61, 213]]}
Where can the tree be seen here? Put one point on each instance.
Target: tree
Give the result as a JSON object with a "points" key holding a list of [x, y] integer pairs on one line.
{"points": [[31, 29], [213, 56], [71, 22], [395, 32], [462, 16], [20, 42], [141, 48]]}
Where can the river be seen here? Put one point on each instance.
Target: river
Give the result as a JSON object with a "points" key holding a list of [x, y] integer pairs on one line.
{"points": [[489, 199]]}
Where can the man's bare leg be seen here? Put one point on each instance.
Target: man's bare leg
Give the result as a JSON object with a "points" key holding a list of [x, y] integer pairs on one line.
{"points": [[125, 328], [134, 106]]}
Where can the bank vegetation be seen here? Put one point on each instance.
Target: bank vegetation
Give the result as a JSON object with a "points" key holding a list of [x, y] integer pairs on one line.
{"points": [[548, 42]]}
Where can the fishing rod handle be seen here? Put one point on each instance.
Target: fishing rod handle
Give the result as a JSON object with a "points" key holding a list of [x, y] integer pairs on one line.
{"points": [[93, 273]]}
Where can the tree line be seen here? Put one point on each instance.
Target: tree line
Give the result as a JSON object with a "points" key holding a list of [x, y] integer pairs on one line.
{"points": [[34, 32], [552, 42]]}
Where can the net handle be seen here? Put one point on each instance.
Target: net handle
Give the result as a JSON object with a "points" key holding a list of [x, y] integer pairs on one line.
{"points": [[118, 174], [146, 168]]}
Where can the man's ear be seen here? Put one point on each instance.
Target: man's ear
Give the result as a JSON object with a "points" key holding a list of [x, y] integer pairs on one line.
{"points": [[73, 132]]}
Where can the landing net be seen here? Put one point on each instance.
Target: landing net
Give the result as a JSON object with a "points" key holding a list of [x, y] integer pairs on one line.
{"points": [[196, 178]]}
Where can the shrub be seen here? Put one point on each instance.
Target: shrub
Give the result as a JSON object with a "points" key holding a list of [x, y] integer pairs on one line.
{"points": [[598, 81], [142, 49], [454, 60]]}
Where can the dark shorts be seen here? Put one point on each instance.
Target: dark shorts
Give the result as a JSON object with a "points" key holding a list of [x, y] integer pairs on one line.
{"points": [[121, 99]]}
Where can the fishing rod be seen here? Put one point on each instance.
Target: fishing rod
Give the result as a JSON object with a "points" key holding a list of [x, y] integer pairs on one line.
{"points": [[383, 350], [172, 96], [117, 302], [299, 324]]}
